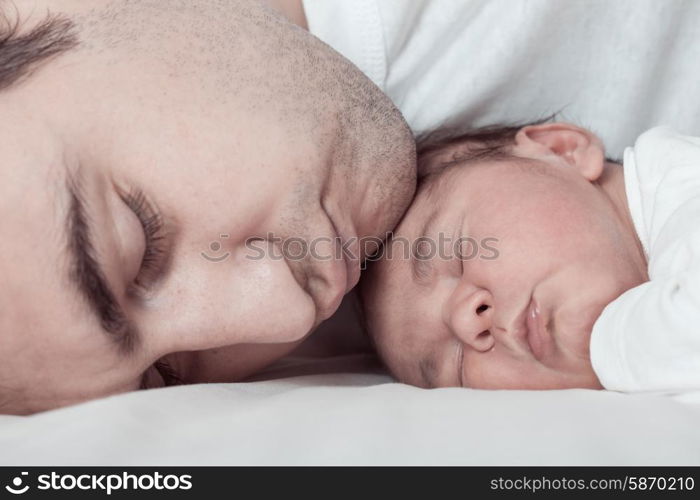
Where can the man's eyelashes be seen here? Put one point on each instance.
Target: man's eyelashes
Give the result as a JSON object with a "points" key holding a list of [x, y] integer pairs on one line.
{"points": [[160, 374], [153, 260]]}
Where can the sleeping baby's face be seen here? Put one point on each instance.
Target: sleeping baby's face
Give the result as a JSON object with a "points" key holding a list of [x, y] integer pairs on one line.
{"points": [[546, 243]]}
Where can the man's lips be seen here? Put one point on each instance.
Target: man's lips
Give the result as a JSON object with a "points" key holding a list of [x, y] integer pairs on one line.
{"points": [[352, 265], [328, 281], [349, 242], [340, 273]]}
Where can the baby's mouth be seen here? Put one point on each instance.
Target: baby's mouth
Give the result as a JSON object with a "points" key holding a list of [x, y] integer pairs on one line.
{"points": [[537, 337], [530, 327]]}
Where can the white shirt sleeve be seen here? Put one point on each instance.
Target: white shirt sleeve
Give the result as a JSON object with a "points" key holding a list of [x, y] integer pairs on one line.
{"points": [[648, 339]]}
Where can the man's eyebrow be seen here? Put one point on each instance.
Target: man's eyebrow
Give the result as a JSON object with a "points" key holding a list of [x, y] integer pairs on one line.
{"points": [[87, 274], [422, 267]]}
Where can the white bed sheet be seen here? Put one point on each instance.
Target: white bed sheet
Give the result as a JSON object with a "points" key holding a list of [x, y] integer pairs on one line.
{"points": [[358, 419]]}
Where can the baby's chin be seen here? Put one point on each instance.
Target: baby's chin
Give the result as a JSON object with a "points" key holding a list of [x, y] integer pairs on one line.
{"points": [[546, 382]]}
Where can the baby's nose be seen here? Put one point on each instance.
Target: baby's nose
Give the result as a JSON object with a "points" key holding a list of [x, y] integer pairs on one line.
{"points": [[469, 317]]}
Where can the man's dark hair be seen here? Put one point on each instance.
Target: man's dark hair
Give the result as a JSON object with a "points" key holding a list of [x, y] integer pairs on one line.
{"points": [[22, 52]]}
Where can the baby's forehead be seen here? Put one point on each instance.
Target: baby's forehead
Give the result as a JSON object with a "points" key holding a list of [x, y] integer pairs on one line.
{"points": [[396, 279], [437, 201], [438, 182], [396, 288], [391, 285], [403, 335], [405, 249]]}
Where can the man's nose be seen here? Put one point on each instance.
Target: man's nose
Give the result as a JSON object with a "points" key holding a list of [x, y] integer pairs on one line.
{"points": [[239, 300], [469, 315]]}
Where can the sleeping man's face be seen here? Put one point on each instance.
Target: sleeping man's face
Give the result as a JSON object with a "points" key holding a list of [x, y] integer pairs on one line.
{"points": [[151, 176], [546, 243]]}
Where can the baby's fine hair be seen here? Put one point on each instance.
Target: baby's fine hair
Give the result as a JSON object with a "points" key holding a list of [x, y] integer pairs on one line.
{"points": [[449, 146]]}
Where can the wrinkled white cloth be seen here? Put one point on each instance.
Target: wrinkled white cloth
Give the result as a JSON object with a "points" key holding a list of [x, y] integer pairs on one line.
{"points": [[356, 419], [617, 67], [648, 339]]}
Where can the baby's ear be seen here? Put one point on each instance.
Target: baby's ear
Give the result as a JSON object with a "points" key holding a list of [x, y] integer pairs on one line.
{"points": [[574, 145]]}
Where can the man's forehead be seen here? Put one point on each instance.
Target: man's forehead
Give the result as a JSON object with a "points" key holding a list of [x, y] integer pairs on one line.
{"points": [[49, 343], [34, 299], [33, 202], [33, 295]]}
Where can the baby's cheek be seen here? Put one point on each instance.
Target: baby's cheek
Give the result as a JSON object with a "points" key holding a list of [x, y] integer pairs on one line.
{"points": [[496, 369]]}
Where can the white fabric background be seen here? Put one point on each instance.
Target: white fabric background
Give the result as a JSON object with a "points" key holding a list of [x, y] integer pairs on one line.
{"points": [[617, 67], [357, 419]]}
